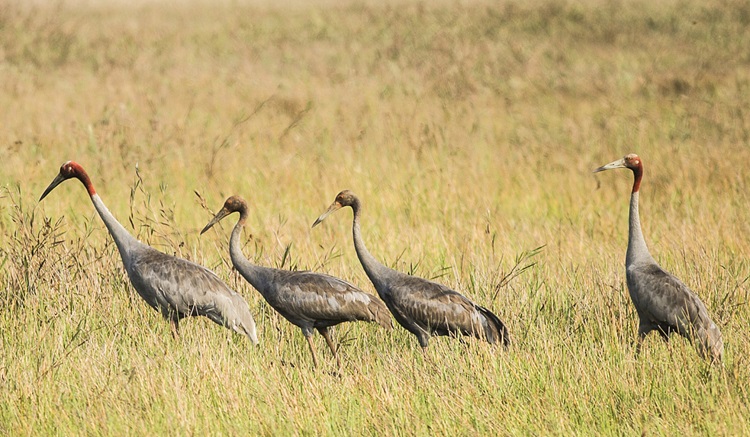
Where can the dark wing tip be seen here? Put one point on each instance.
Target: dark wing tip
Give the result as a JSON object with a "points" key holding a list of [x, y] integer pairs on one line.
{"points": [[502, 330]]}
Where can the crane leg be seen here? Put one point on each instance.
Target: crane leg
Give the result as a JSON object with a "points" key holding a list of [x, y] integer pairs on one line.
{"points": [[174, 325], [643, 331], [312, 349], [423, 338], [324, 333]]}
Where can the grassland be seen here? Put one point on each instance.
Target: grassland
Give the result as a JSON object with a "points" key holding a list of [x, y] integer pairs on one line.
{"points": [[469, 129]]}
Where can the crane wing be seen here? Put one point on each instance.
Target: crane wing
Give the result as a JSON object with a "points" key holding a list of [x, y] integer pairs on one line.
{"points": [[436, 308], [667, 303], [318, 299], [182, 287]]}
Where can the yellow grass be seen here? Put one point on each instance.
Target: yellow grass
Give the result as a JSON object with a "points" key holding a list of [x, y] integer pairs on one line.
{"points": [[468, 129]]}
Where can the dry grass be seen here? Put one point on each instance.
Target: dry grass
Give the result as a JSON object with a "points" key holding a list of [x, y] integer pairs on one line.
{"points": [[468, 129]]}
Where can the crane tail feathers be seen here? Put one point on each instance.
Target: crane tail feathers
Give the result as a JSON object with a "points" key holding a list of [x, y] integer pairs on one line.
{"points": [[241, 322], [710, 343], [248, 330], [382, 316], [497, 331]]}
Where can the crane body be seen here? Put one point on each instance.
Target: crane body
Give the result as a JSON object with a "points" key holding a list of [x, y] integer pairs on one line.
{"points": [[422, 307], [175, 287], [663, 302], [309, 300]]}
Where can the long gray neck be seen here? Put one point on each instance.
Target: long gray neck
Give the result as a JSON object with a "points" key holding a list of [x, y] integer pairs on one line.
{"points": [[123, 239], [637, 250], [373, 268], [258, 277]]}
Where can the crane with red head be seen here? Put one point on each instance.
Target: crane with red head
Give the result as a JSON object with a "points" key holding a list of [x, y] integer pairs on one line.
{"points": [[663, 303], [175, 287]]}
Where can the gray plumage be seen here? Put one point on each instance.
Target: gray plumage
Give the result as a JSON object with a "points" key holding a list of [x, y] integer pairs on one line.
{"points": [[306, 299], [179, 288], [173, 286], [422, 307], [662, 301]]}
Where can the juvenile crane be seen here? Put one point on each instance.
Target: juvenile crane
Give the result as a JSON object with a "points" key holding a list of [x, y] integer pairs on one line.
{"points": [[173, 286], [306, 299], [662, 301], [422, 307]]}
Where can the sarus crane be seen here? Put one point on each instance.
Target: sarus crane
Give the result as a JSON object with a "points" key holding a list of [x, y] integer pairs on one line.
{"points": [[306, 299], [662, 301], [422, 307], [173, 286]]}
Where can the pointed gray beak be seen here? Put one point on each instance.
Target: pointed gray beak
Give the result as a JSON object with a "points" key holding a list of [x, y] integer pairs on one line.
{"points": [[620, 163], [55, 182], [334, 206], [219, 215]]}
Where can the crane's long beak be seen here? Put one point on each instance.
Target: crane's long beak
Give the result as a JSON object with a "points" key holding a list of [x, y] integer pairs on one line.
{"points": [[334, 206], [55, 182], [219, 215], [620, 163]]}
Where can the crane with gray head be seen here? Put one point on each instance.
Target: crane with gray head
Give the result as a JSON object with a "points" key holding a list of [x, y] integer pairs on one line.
{"points": [[173, 286], [662, 301], [424, 308], [306, 299]]}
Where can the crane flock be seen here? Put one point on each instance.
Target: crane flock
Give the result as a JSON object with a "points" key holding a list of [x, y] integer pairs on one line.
{"points": [[178, 288], [308, 300]]}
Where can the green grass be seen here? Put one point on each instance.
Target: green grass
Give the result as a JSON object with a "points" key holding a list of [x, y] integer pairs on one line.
{"points": [[469, 130]]}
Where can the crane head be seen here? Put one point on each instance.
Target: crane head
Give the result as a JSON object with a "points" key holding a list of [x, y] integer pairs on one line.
{"points": [[69, 170], [344, 198], [232, 204], [631, 161]]}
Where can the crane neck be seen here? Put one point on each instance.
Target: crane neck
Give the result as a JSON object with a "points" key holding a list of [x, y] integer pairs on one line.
{"points": [[637, 176], [373, 268], [257, 276], [123, 239], [637, 249], [82, 176]]}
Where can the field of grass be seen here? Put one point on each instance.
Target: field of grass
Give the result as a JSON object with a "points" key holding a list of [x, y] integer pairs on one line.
{"points": [[468, 129]]}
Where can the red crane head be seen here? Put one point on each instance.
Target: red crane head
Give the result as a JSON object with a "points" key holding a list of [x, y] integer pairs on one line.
{"points": [[69, 170], [631, 161], [232, 204], [344, 198]]}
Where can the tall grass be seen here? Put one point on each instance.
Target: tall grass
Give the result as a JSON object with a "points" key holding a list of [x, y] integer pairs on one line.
{"points": [[469, 131]]}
